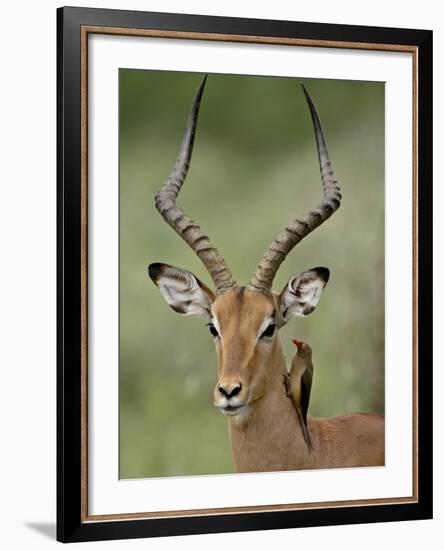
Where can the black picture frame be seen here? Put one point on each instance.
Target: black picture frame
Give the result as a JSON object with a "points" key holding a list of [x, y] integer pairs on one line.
{"points": [[72, 524]]}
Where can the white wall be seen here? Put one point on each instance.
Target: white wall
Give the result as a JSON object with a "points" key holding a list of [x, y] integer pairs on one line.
{"points": [[27, 247]]}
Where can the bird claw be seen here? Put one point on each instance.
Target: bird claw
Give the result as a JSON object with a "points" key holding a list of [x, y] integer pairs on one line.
{"points": [[287, 384]]}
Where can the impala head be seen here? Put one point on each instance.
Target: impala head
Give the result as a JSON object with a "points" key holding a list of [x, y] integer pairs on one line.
{"points": [[244, 321]]}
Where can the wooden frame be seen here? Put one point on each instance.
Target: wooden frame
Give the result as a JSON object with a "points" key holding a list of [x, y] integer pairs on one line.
{"points": [[74, 26]]}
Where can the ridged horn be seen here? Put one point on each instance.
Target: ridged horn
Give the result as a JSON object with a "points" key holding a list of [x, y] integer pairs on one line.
{"points": [[191, 232], [297, 229]]}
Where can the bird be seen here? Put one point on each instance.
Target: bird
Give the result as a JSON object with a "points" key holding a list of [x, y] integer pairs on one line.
{"points": [[298, 384]]}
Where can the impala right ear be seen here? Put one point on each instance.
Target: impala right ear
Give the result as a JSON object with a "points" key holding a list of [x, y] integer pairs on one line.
{"points": [[182, 291]]}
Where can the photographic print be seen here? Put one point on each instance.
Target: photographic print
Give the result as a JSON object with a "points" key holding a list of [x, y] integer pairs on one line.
{"points": [[266, 241], [244, 265]]}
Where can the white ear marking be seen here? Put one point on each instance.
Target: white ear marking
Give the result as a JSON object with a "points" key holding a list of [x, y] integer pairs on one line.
{"points": [[303, 292], [182, 291]]}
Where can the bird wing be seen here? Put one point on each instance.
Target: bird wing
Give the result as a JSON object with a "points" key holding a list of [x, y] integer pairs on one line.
{"points": [[306, 381]]}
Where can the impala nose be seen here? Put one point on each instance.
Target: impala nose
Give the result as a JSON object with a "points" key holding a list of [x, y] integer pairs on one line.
{"points": [[230, 391]]}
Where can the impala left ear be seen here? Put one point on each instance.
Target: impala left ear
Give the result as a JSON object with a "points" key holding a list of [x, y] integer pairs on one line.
{"points": [[301, 294]]}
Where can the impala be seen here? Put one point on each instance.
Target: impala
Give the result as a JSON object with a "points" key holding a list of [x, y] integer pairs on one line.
{"points": [[264, 428]]}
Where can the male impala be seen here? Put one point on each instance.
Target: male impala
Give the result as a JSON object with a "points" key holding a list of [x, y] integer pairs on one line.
{"points": [[265, 432]]}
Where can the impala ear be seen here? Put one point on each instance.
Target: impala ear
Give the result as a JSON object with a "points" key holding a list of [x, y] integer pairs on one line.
{"points": [[182, 290], [301, 294]]}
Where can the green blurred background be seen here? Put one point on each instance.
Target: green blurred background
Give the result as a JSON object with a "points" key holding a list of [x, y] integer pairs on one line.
{"points": [[254, 168]]}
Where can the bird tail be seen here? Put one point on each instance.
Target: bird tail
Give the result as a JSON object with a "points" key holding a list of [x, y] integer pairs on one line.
{"points": [[303, 422]]}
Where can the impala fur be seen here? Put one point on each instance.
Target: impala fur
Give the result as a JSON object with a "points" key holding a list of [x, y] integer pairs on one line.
{"points": [[267, 430]]}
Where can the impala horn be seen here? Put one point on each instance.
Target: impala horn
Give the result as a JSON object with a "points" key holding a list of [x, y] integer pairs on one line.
{"points": [[297, 229], [190, 232]]}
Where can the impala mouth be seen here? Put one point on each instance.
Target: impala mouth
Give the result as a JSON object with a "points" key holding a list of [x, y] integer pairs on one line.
{"points": [[231, 410]]}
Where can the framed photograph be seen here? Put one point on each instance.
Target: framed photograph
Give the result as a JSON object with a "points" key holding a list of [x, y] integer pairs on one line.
{"points": [[244, 274]]}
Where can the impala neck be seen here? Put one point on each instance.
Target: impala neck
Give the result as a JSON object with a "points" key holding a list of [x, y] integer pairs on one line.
{"points": [[269, 436]]}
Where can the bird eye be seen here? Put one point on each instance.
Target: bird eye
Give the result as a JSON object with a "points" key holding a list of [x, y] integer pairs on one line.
{"points": [[213, 330], [269, 331]]}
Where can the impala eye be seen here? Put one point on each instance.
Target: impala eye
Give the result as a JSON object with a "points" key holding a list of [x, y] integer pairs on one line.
{"points": [[213, 330], [269, 331]]}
